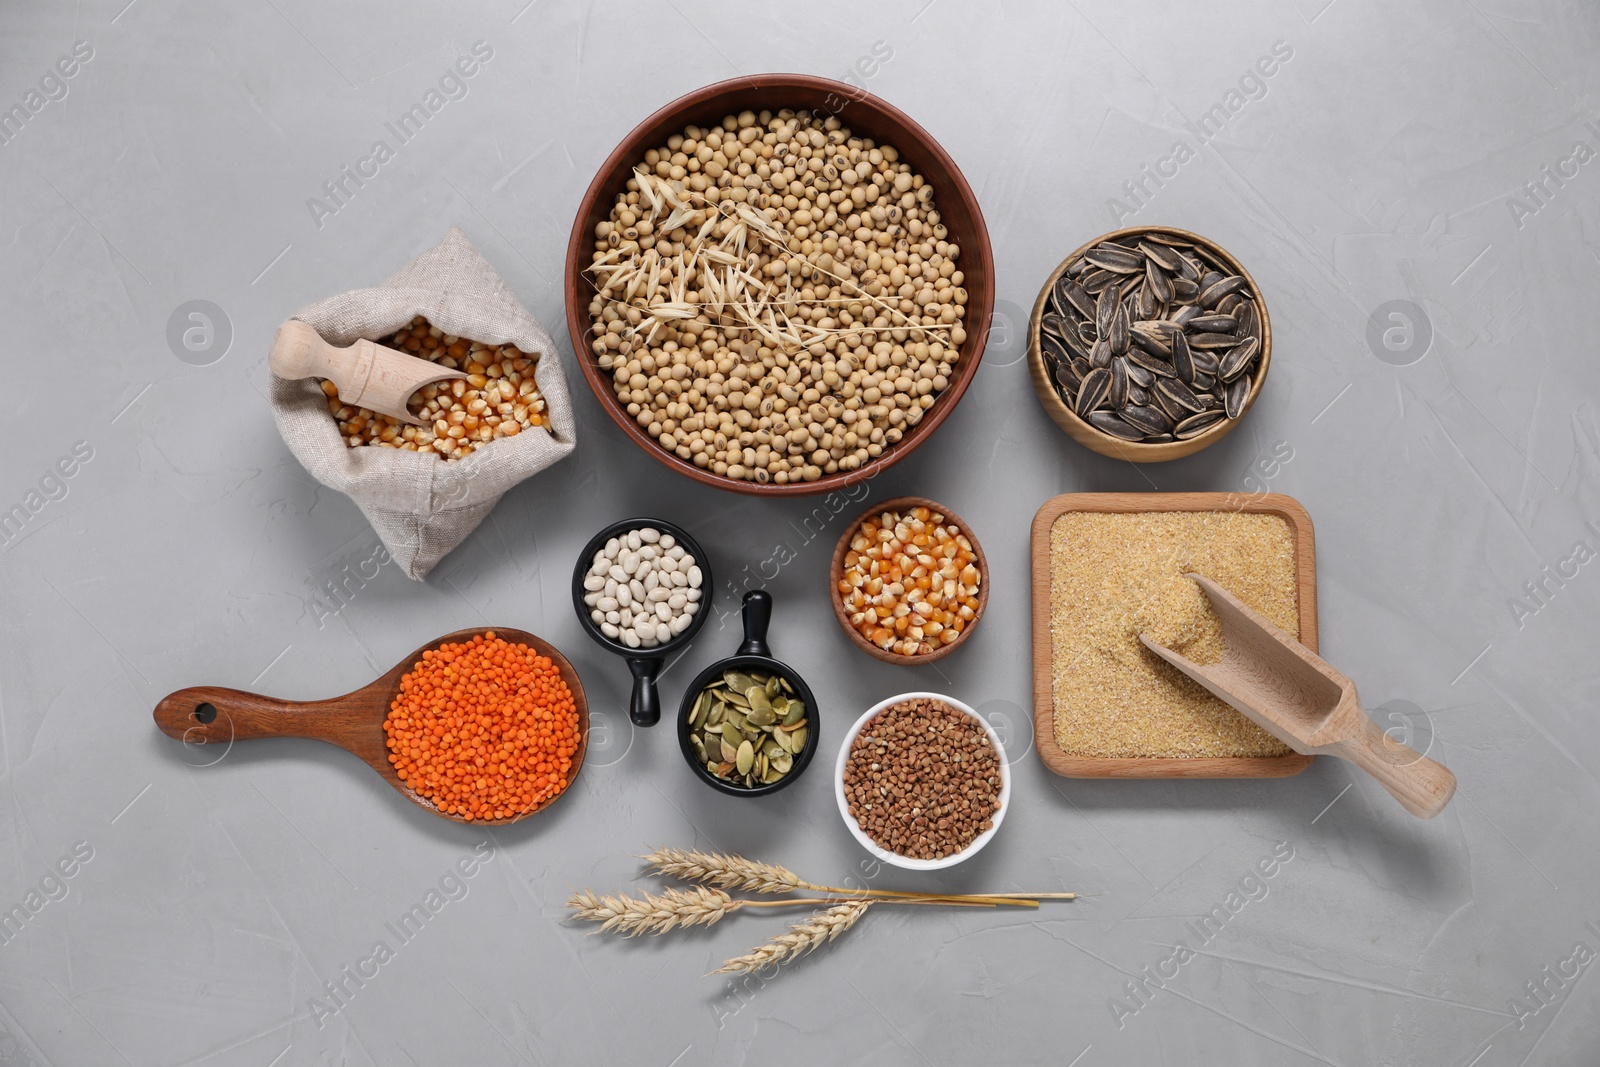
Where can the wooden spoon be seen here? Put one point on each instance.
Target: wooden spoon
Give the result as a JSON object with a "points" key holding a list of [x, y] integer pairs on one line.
{"points": [[367, 374], [1299, 698], [212, 715]]}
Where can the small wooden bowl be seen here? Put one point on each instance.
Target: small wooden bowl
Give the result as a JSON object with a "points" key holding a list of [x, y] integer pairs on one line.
{"points": [[865, 116], [836, 574], [1136, 451]]}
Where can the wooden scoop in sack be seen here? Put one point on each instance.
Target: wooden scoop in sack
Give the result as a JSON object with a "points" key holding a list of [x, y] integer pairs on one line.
{"points": [[367, 374], [1297, 697]]}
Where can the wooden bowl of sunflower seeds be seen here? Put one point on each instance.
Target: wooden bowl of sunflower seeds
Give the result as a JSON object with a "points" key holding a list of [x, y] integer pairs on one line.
{"points": [[1149, 344]]}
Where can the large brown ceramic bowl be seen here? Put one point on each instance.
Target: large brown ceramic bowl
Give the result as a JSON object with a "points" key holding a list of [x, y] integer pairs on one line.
{"points": [[865, 116]]}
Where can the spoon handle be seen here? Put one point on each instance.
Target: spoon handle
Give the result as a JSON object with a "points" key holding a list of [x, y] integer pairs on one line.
{"points": [[644, 706], [1421, 785], [211, 715]]}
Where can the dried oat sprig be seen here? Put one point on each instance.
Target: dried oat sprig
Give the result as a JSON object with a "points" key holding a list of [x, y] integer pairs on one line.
{"points": [[802, 938]]}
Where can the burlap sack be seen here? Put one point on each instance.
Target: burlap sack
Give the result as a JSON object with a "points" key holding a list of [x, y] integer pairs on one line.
{"points": [[419, 504]]}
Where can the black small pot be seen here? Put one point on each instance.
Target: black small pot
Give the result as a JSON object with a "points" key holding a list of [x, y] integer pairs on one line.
{"points": [[752, 655], [644, 707]]}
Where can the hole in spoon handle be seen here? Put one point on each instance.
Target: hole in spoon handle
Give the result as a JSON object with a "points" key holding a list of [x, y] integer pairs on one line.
{"points": [[644, 707], [757, 616]]}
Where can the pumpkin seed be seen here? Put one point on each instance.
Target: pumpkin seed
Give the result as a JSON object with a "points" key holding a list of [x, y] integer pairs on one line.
{"points": [[743, 727]]}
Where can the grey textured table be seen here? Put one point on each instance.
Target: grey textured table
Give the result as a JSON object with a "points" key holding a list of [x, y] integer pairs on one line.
{"points": [[1437, 155]]}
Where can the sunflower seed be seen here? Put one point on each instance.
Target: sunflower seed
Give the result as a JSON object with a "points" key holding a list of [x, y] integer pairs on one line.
{"points": [[1100, 354], [1148, 419], [1213, 291], [1119, 331], [1212, 340], [1105, 309], [1184, 289], [1161, 253], [1106, 422], [1182, 361], [1149, 361], [1238, 392], [1110, 257], [1139, 376], [1093, 391], [1137, 394], [1234, 363], [1213, 323], [1180, 394], [1158, 282], [1195, 425], [1053, 350], [1147, 304], [1096, 280], [1151, 340], [1070, 297]]}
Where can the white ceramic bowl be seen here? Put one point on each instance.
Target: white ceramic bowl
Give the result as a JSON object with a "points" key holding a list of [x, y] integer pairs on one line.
{"points": [[906, 861]]}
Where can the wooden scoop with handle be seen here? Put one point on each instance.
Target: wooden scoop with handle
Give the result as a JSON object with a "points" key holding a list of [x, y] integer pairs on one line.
{"points": [[1297, 697], [367, 374], [210, 715]]}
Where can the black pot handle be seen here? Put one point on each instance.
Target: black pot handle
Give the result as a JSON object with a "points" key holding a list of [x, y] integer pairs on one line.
{"points": [[644, 708], [757, 614]]}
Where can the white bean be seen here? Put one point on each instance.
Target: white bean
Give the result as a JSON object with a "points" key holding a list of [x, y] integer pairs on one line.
{"points": [[651, 581], [594, 581], [666, 565], [611, 548], [614, 617], [630, 564], [633, 540], [611, 587], [679, 624], [667, 540], [610, 630], [624, 595], [608, 603], [597, 616], [694, 577], [692, 594], [663, 632], [630, 639], [637, 588], [692, 608], [656, 596], [591, 599], [649, 535], [675, 552], [617, 573], [663, 613], [649, 552], [680, 579], [676, 601]]}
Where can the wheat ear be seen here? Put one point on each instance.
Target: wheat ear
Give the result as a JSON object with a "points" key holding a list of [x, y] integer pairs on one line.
{"points": [[801, 938]]}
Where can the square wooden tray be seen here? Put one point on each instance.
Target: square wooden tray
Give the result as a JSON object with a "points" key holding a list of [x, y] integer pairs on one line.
{"points": [[1044, 728]]}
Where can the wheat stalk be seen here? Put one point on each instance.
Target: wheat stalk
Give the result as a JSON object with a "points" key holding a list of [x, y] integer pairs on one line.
{"points": [[802, 938], [730, 871], [653, 914], [725, 870]]}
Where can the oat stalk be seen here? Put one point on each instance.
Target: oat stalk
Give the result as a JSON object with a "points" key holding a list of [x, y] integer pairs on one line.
{"points": [[801, 939]]}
